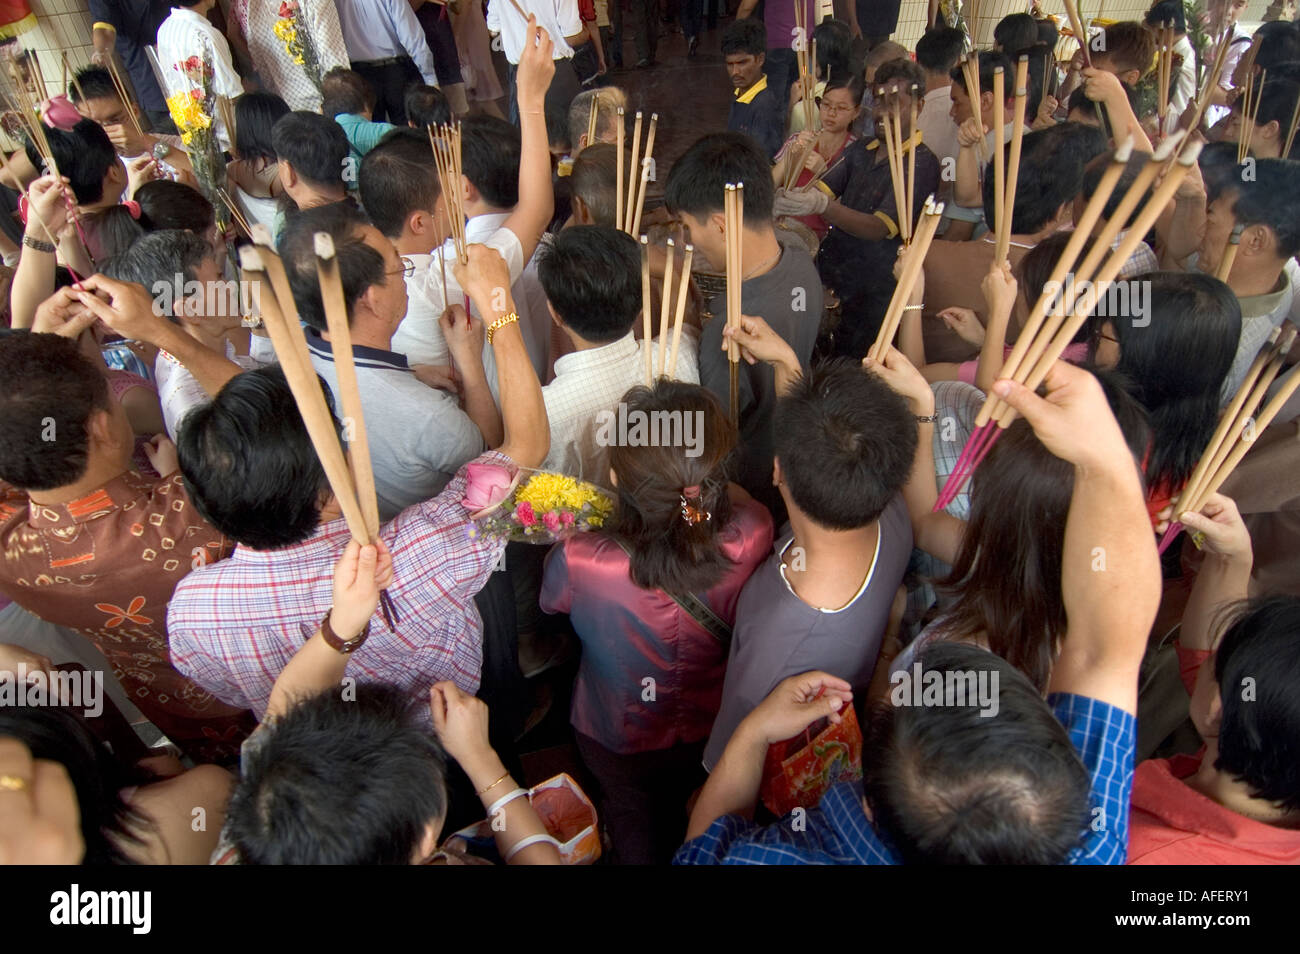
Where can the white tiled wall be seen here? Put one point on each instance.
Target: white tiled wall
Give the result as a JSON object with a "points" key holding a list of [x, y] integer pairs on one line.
{"points": [[62, 25]]}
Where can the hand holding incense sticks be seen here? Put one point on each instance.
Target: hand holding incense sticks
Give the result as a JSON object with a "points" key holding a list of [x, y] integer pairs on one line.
{"points": [[915, 260], [1250, 98]]}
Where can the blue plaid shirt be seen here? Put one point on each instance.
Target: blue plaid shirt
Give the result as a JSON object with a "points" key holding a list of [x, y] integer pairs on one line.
{"points": [[838, 832]]}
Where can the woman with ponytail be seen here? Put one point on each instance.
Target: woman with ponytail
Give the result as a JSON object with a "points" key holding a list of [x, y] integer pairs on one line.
{"points": [[653, 599]]}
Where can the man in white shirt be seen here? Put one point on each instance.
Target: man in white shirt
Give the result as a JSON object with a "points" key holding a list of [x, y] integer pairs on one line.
{"points": [[1223, 12], [400, 190], [562, 21], [1182, 85], [592, 279], [187, 33], [184, 274], [937, 54], [387, 46], [419, 436]]}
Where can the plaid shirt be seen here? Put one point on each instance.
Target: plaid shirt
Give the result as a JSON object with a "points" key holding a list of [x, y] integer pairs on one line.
{"points": [[234, 625], [838, 832]]}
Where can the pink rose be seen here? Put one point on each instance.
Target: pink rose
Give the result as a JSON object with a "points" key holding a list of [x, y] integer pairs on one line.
{"points": [[61, 114], [525, 514], [486, 485], [552, 520], [566, 518]]}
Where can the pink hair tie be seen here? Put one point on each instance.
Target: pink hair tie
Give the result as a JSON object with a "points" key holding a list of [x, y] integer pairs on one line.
{"points": [[691, 491], [133, 207]]}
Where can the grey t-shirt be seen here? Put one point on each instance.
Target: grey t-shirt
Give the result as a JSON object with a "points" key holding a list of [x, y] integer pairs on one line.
{"points": [[778, 635], [789, 298]]}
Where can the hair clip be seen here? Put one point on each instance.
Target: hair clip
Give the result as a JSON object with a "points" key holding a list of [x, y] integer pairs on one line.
{"points": [[691, 513]]}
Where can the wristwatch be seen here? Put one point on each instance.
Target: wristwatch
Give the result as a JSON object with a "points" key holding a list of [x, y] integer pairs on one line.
{"points": [[346, 647]]}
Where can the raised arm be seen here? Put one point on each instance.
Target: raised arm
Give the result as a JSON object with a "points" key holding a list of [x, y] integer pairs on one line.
{"points": [[486, 279], [999, 288], [464, 336], [34, 281], [1224, 577], [536, 198], [1110, 573], [128, 309]]}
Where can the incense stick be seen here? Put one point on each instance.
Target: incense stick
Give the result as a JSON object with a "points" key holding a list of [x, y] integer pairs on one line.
{"points": [[633, 173], [120, 86], [76, 83], [592, 116], [683, 286], [1076, 25], [665, 308], [735, 224], [647, 165], [647, 319], [911, 159], [1008, 199], [620, 133], [336, 318], [999, 158], [907, 281], [1291, 130], [1229, 253]]}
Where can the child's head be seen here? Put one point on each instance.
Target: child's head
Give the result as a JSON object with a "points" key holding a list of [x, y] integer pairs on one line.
{"points": [[1128, 50], [426, 106], [346, 91]]}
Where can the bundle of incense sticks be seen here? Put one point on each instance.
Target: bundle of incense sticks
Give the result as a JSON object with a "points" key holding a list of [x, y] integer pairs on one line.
{"points": [[446, 157], [807, 72], [679, 312], [1229, 253], [999, 154], [124, 95], [1006, 201], [1211, 81], [894, 152], [1164, 69], [1079, 30], [734, 209], [1236, 433], [970, 72], [1250, 97], [353, 486], [647, 319], [69, 72], [1291, 130], [639, 174], [667, 364], [235, 214], [592, 117], [929, 224], [227, 111]]}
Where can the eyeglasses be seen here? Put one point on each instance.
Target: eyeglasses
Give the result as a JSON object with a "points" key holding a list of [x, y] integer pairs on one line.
{"points": [[834, 108], [407, 270]]}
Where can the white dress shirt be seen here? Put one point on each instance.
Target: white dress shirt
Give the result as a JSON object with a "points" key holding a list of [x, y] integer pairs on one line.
{"points": [[179, 392], [938, 131], [185, 34], [588, 382], [559, 18], [381, 29]]}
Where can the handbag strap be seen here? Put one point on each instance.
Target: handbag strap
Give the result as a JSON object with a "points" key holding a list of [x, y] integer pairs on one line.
{"points": [[696, 608]]}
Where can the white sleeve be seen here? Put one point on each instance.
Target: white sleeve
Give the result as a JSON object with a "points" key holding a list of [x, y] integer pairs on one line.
{"points": [[511, 249], [568, 17]]}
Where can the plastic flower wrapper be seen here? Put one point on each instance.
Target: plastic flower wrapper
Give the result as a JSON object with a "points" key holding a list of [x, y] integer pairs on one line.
{"points": [[292, 32], [531, 505]]}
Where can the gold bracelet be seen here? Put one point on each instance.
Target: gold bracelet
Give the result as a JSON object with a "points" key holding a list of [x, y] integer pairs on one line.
{"points": [[483, 791], [501, 323]]}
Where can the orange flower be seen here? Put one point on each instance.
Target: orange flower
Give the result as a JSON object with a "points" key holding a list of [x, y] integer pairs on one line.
{"points": [[120, 616]]}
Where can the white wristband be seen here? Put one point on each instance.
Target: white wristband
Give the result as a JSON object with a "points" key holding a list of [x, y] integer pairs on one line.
{"points": [[503, 801], [523, 843]]}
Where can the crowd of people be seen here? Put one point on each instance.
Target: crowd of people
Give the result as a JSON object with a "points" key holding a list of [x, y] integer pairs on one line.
{"points": [[1015, 672]]}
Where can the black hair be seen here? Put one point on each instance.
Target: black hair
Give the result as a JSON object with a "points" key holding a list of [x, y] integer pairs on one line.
{"points": [[166, 205], [940, 49], [989, 61], [1279, 42], [1164, 12], [952, 784], [1257, 667], [591, 276], [911, 75], [747, 36], [490, 150], [426, 106], [845, 442], [1079, 100], [360, 265], [848, 81], [834, 42], [1097, 167], [51, 391], [345, 91], [1218, 165], [115, 230], [95, 81], [255, 117], [249, 465], [60, 734], [314, 145], [1048, 34], [397, 178], [1270, 198], [157, 258], [697, 181], [1016, 33], [340, 783], [1277, 103], [84, 157], [1052, 161]]}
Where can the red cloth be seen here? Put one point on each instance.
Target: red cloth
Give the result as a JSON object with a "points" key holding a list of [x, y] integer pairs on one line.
{"points": [[1171, 823]]}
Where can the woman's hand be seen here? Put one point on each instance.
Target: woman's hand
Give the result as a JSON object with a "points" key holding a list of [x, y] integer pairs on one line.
{"points": [[359, 575]]}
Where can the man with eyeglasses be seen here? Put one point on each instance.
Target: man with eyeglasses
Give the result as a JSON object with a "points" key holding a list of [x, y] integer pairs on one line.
{"points": [[419, 435]]}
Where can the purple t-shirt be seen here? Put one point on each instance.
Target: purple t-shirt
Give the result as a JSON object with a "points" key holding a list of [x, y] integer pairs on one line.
{"points": [[778, 16]]}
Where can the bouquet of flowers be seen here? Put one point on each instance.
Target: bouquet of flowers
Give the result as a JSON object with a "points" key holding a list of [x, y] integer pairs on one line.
{"points": [[532, 506], [192, 105], [291, 30]]}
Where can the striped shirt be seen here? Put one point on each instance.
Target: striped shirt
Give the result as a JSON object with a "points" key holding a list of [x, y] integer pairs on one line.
{"points": [[235, 624]]}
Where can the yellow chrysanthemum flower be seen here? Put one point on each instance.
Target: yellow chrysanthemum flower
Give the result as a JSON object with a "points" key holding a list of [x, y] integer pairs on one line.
{"points": [[558, 492]]}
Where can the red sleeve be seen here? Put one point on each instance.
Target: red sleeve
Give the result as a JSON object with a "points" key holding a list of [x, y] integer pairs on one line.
{"points": [[1189, 664], [587, 10]]}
